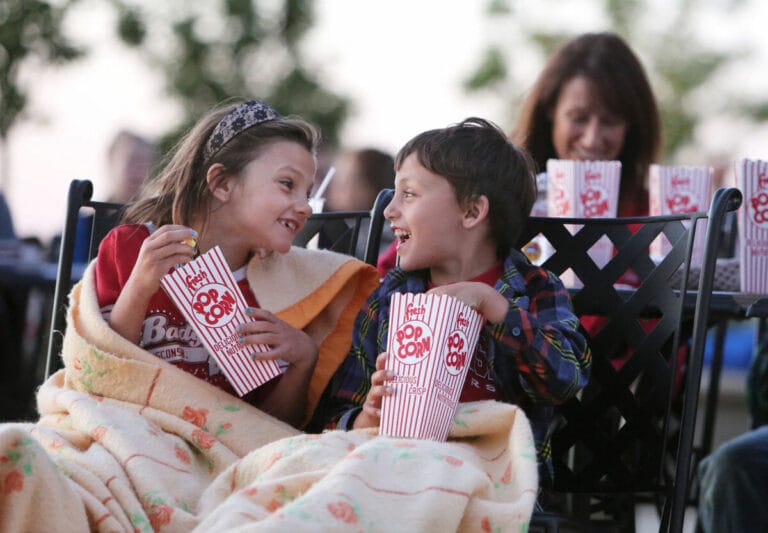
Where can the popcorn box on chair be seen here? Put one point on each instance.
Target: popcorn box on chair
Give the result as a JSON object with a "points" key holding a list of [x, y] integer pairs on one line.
{"points": [[207, 294], [752, 179], [430, 346], [678, 190], [584, 189]]}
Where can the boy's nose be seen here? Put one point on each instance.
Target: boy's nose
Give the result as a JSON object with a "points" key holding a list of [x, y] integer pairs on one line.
{"points": [[390, 211]]}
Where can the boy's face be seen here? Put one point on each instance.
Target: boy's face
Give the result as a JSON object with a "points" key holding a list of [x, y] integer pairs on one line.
{"points": [[425, 217]]}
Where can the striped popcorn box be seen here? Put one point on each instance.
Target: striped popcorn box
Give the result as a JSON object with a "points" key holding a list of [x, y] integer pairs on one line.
{"points": [[752, 177], [677, 190], [206, 293], [584, 189], [430, 346]]}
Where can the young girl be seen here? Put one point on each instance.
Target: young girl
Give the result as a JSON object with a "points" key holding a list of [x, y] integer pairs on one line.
{"points": [[240, 180], [462, 195]]}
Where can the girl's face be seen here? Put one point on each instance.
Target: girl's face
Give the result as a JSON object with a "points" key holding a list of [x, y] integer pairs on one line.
{"points": [[582, 129], [267, 205], [425, 217]]}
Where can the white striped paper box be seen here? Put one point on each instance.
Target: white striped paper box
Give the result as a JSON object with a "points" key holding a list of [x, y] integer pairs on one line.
{"points": [[207, 294], [752, 178], [430, 346], [677, 190], [584, 189]]}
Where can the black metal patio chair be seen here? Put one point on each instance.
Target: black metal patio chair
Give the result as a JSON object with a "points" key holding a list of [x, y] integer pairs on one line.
{"points": [[628, 436]]}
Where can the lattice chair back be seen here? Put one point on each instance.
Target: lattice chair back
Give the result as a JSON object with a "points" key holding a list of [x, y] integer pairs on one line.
{"points": [[355, 233], [100, 218], [629, 434]]}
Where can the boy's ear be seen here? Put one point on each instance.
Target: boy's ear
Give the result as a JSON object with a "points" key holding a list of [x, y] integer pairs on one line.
{"points": [[476, 211], [220, 183]]}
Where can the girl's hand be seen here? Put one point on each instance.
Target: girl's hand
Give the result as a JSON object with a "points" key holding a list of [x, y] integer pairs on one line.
{"points": [[158, 254], [161, 251], [371, 413], [491, 304], [286, 342]]}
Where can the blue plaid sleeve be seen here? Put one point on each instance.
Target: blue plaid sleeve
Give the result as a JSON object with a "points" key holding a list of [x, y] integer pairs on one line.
{"points": [[540, 345]]}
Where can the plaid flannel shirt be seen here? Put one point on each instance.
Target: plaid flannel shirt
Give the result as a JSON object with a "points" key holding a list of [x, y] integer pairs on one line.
{"points": [[538, 356]]}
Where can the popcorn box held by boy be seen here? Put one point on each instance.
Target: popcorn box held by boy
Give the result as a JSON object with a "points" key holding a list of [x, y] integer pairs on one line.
{"points": [[430, 347]]}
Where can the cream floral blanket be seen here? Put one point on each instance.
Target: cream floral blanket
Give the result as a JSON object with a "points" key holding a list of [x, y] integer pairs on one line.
{"points": [[126, 442]]}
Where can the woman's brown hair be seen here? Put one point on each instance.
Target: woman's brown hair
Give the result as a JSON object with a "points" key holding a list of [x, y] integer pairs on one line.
{"points": [[610, 65]]}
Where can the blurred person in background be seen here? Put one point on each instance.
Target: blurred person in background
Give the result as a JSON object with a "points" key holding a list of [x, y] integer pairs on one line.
{"points": [[360, 175], [130, 160]]}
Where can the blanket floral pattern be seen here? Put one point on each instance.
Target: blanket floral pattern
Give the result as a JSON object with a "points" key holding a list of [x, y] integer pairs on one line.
{"points": [[130, 443]]}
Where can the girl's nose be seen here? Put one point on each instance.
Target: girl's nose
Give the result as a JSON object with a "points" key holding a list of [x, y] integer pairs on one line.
{"points": [[304, 208]]}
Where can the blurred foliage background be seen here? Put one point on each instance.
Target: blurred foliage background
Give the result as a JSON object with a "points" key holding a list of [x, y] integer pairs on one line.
{"points": [[209, 51]]}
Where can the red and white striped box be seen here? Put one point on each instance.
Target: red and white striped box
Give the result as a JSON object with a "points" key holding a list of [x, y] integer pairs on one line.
{"points": [[752, 177], [430, 346], [678, 190], [584, 189], [207, 294]]}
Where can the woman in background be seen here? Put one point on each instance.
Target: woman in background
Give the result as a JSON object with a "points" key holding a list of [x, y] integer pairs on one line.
{"points": [[593, 101]]}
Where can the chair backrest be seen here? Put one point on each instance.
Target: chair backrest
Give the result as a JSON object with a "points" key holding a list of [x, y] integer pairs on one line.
{"points": [[349, 232], [95, 217], [341, 231], [631, 430]]}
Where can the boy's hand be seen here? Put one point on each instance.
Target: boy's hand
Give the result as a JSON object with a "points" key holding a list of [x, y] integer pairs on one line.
{"points": [[484, 298], [286, 342], [370, 416], [160, 252]]}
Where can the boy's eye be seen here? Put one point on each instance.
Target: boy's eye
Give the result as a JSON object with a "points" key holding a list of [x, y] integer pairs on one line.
{"points": [[287, 183]]}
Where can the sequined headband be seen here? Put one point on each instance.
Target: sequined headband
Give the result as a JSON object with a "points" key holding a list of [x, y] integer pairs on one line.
{"points": [[244, 116]]}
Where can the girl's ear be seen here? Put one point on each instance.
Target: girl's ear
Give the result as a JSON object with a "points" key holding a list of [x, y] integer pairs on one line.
{"points": [[476, 211], [220, 182]]}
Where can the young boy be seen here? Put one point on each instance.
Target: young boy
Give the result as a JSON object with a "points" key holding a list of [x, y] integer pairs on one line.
{"points": [[462, 195]]}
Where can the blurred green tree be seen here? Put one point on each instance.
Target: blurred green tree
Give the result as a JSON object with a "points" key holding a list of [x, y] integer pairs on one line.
{"points": [[212, 51], [678, 63], [29, 30]]}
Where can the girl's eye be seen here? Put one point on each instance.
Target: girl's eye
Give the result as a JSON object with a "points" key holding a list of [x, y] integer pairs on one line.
{"points": [[288, 183]]}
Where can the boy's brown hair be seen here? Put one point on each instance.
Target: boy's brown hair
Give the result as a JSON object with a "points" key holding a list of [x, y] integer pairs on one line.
{"points": [[477, 159]]}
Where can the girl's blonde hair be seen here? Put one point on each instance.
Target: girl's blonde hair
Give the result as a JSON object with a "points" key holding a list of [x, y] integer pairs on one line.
{"points": [[180, 192]]}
